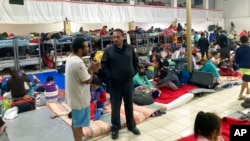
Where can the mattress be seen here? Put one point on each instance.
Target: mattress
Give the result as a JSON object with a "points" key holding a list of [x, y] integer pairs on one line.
{"points": [[7, 64], [61, 41], [22, 42], [6, 43], [30, 61], [61, 59]]}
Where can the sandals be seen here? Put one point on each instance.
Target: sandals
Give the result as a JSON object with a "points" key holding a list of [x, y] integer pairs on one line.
{"points": [[241, 98]]}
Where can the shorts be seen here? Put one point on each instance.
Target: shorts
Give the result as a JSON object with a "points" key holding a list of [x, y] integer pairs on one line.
{"points": [[245, 74], [80, 117]]}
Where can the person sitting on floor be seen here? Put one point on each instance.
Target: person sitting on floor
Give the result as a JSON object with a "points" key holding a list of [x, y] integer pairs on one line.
{"points": [[154, 57], [32, 85], [168, 78], [141, 79], [216, 58], [207, 127], [15, 84], [50, 89], [180, 53], [209, 66], [98, 97], [165, 52]]}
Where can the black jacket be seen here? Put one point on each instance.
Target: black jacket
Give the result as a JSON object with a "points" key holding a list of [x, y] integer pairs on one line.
{"points": [[203, 43], [119, 65], [222, 40]]}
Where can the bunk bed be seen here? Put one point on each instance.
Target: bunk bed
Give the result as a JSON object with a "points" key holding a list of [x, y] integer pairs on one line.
{"points": [[141, 45], [153, 40], [28, 54], [61, 47], [105, 40], [8, 54]]}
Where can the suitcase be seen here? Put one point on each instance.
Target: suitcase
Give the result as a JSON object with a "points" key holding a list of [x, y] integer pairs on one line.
{"points": [[24, 104], [203, 79]]}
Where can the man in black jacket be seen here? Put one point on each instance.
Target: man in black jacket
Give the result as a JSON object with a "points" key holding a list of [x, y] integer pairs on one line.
{"points": [[222, 41], [120, 64], [203, 45]]}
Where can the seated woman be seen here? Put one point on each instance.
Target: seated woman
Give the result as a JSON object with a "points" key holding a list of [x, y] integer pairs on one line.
{"points": [[207, 127], [15, 84], [154, 57], [208, 66], [168, 78], [141, 79], [32, 85], [216, 58]]}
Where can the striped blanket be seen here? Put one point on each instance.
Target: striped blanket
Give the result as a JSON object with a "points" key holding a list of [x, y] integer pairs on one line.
{"points": [[103, 125]]}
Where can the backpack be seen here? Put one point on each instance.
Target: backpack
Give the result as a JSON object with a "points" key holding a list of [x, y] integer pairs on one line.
{"points": [[184, 76], [24, 104], [142, 98]]}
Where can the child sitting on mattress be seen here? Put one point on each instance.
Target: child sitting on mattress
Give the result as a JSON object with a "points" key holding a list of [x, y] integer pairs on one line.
{"points": [[50, 89], [98, 97], [207, 127]]}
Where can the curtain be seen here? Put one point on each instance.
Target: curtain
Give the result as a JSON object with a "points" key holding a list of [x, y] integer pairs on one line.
{"points": [[37, 12]]}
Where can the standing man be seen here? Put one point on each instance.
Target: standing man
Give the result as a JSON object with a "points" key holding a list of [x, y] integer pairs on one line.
{"points": [[242, 58], [203, 45], [222, 41], [120, 64], [77, 80]]}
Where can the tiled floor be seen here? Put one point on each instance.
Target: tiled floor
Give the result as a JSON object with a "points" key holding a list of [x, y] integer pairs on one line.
{"points": [[179, 122]]}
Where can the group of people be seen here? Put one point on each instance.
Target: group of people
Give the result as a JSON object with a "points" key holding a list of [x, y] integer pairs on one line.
{"points": [[20, 84], [120, 66]]}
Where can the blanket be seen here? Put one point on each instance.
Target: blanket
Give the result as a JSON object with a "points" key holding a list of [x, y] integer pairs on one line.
{"points": [[168, 95], [225, 125], [103, 125]]}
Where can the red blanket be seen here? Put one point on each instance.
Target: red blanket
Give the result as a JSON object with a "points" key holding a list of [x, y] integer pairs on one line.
{"points": [[225, 125], [168, 95]]}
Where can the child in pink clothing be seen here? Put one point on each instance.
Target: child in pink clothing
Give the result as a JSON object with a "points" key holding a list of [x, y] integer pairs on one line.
{"points": [[207, 127]]}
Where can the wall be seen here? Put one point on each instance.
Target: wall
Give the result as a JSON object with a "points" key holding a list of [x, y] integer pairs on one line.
{"points": [[238, 13]]}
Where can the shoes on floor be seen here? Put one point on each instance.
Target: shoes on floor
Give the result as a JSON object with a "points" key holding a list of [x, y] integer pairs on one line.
{"points": [[241, 98], [115, 134], [135, 131]]}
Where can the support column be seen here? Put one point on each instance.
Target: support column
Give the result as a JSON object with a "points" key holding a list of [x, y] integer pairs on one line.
{"points": [[206, 4], [131, 2], [131, 25], [67, 27], [189, 43], [173, 3]]}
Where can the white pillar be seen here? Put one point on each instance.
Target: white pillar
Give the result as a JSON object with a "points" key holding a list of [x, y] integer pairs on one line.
{"points": [[132, 2], [173, 3], [206, 4]]}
